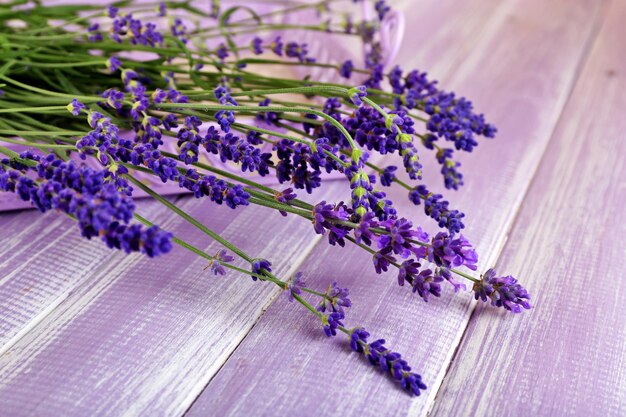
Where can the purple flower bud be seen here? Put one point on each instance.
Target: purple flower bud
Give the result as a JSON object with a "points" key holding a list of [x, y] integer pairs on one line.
{"points": [[255, 45], [113, 63], [346, 69], [295, 287], [260, 267], [75, 107], [331, 322]]}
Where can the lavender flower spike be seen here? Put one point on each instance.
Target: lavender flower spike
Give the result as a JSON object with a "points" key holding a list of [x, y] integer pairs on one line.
{"points": [[502, 292], [380, 356]]}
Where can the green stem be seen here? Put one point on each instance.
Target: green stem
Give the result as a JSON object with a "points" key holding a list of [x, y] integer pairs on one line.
{"points": [[37, 145], [189, 218]]}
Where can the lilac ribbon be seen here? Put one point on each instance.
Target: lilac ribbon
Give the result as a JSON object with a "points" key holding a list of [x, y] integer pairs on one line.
{"points": [[391, 32]]}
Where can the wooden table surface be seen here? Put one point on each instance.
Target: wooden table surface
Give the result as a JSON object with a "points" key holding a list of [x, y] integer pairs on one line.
{"points": [[88, 331]]}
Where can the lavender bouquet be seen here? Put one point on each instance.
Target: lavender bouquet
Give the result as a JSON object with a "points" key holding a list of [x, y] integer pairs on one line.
{"points": [[92, 104]]}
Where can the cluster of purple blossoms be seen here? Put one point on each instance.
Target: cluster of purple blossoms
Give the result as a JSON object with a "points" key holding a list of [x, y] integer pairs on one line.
{"points": [[225, 117], [75, 107], [449, 252], [346, 69], [210, 186], [221, 52], [179, 30], [332, 321], [335, 299], [299, 51], [502, 292], [356, 94], [101, 209], [396, 237], [388, 361], [260, 267], [386, 135], [189, 139], [325, 218], [301, 164], [138, 33], [453, 119], [388, 175], [295, 286], [376, 70], [113, 64], [382, 9], [216, 264], [114, 98], [239, 150], [284, 197], [277, 46], [143, 151], [437, 208], [256, 45], [367, 127], [452, 178], [424, 281], [363, 232], [399, 237]]}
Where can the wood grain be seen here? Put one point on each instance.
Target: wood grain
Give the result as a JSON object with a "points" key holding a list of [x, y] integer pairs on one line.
{"points": [[306, 375], [568, 356], [42, 258], [141, 334]]}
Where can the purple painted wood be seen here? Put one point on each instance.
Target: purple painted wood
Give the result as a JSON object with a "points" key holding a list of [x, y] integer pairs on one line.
{"points": [[568, 357], [42, 258], [143, 336], [305, 374]]}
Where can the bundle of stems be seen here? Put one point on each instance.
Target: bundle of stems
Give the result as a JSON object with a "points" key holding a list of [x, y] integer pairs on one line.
{"points": [[97, 101]]}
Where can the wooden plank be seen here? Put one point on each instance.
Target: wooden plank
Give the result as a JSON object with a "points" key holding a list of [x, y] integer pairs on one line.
{"points": [[112, 325], [42, 258], [141, 334], [568, 356], [306, 375]]}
